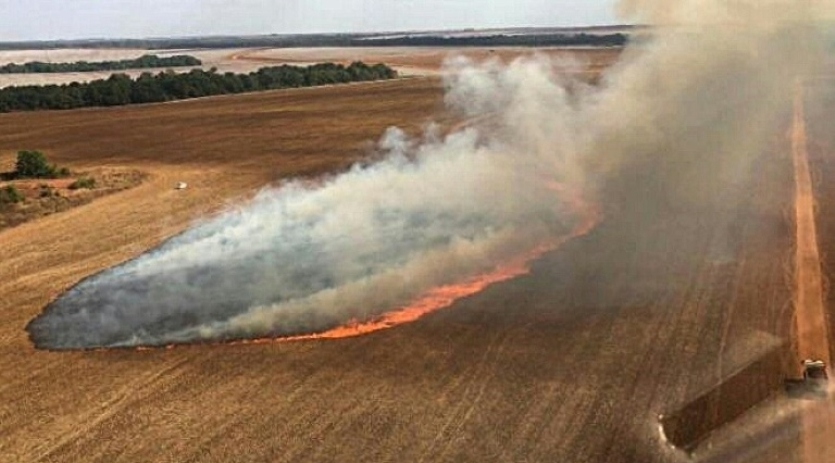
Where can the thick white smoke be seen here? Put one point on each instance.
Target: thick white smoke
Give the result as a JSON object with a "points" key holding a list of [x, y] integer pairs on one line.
{"points": [[679, 122], [300, 259]]}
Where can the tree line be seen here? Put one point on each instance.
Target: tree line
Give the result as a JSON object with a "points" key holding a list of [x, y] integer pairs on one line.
{"points": [[120, 89], [143, 62], [335, 40]]}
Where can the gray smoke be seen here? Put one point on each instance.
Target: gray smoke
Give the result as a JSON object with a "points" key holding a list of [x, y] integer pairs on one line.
{"points": [[676, 123], [300, 259]]}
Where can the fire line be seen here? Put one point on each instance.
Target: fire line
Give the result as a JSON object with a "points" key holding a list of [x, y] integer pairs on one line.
{"points": [[444, 296]]}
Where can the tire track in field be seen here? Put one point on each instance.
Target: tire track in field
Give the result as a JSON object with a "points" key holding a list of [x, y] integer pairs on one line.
{"points": [[477, 382], [97, 415]]}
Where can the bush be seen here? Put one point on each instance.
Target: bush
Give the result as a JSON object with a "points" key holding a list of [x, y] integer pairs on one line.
{"points": [[84, 182], [32, 164], [46, 191], [10, 195]]}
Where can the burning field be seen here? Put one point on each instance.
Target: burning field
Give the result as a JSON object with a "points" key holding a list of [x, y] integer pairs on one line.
{"points": [[443, 210], [604, 254], [437, 211]]}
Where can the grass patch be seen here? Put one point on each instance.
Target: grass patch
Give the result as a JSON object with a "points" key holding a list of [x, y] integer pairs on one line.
{"points": [[86, 183]]}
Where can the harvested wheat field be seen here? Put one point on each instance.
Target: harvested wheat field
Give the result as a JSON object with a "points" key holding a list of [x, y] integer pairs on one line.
{"points": [[430, 60], [670, 300]]}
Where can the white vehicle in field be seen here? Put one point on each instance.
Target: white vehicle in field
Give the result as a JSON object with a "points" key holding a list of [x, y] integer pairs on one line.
{"points": [[181, 186]]}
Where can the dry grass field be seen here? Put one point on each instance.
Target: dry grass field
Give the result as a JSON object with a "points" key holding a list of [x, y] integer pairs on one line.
{"points": [[573, 362], [430, 60]]}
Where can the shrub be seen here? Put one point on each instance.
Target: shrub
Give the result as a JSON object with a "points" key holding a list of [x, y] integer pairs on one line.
{"points": [[10, 195], [32, 164], [46, 191], [84, 182]]}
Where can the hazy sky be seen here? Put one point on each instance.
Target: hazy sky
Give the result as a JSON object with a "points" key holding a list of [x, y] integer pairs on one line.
{"points": [[67, 19]]}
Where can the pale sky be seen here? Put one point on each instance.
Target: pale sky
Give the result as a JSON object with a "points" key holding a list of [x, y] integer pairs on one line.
{"points": [[73, 19]]}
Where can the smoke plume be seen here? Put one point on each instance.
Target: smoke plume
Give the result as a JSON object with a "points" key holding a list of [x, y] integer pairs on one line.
{"points": [[678, 122]]}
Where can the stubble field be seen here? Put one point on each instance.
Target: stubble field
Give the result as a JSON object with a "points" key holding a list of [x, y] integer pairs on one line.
{"points": [[573, 362]]}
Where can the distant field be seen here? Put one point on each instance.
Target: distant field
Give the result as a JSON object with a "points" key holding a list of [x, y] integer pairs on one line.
{"points": [[69, 55], [408, 61], [430, 60], [211, 58]]}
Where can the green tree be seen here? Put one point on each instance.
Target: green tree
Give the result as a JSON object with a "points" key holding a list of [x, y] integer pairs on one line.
{"points": [[32, 164]]}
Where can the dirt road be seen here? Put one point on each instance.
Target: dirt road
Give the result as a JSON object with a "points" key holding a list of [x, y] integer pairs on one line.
{"points": [[810, 313], [812, 336]]}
